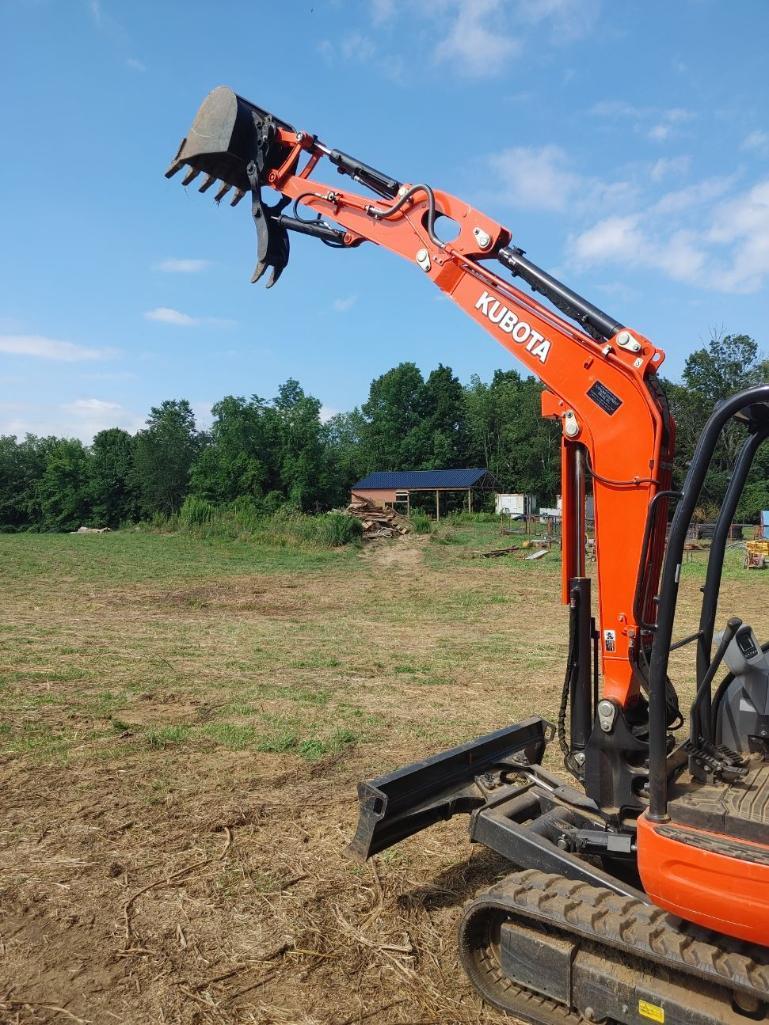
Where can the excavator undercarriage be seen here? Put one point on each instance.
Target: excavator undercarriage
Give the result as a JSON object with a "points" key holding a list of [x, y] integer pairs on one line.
{"points": [[638, 890]]}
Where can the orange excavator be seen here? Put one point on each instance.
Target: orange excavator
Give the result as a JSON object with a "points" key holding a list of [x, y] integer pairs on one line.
{"points": [[639, 890]]}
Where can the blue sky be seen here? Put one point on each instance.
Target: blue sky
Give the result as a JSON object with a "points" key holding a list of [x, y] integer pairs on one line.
{"points": [[626, 145]]}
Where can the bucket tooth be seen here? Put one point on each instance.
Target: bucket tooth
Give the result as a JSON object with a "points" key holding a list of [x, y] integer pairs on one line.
{"points": [[175, 167], [222, 192], [237, 197], [276, 272], [260, 269], [190, 176], [210, 179]]}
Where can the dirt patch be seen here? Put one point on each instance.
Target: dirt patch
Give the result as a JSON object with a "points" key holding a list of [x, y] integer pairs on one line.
{"points": [[406, 553], [224, 896], [189, 869]]}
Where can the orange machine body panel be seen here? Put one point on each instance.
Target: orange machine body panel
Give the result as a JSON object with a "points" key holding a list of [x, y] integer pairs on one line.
{"points": [[729, 895]]}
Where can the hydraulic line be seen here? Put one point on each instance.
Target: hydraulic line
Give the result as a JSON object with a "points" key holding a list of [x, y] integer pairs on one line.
{"points": [[381, 215], [571, 668]]}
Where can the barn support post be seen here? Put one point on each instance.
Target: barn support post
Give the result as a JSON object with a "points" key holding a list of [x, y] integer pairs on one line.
{"points": [[437, 505]]}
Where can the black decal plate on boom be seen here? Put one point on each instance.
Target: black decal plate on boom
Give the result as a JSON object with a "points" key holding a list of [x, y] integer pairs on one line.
{"points": [[605, 398]]}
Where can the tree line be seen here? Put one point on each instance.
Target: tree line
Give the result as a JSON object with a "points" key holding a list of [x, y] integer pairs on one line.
{"points": [[279, 452]]}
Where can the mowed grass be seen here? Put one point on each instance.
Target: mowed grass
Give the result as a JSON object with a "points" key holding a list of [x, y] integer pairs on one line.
{"points": [[113, 644], [183, 724], [118, 643]]}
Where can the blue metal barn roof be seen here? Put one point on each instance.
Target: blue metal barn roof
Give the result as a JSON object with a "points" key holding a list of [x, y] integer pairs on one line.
{"points": [[414, 480]]}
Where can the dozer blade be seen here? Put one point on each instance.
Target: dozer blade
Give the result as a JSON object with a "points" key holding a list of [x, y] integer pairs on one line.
{"points": [[222, 139], [410, 799]]}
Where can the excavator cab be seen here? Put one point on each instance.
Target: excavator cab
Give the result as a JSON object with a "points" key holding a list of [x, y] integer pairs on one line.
{"points": [[639, 889]]}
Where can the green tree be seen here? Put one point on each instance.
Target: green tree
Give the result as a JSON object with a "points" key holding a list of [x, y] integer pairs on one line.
{"points": [[241, 458], [22, 465], [304, 466], [445, 427], [112, 489], [63, 490], [394, 437], [164, 453], [509, 436], [727, 364], [343, 435]]}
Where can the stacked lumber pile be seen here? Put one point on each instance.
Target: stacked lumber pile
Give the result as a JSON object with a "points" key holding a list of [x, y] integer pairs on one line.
{"points": [[377, 522]]}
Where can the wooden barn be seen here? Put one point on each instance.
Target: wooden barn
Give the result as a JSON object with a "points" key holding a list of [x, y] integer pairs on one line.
{"points": [[390, 488]]}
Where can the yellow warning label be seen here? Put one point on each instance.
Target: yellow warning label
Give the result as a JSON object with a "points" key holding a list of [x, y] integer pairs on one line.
{"points": [[651, 1011]]}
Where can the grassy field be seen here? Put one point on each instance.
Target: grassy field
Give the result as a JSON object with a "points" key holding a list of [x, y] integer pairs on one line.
{"points": [[183, 725]]}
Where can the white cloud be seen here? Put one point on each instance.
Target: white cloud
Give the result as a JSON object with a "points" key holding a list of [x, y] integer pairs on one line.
{"points": [[40, 347], [667, 167], [326, 50], [476, 43], [82, 418], [668, 123], [541, 178], [135, 64], [342, 305], [186, 266], [692, 195], [327, 413], [618, 109], [694, 235], [537, 179], [756, 142], [357, 47], [660, 131], [658, 124], [625, 240], [611, 238], [475, 38], [743, 223], [91, 407], [569, 19], [166, 315], [382, 11]]}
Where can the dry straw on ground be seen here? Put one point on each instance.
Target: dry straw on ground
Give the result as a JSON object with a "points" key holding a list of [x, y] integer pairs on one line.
{"points": [[178, 783]]}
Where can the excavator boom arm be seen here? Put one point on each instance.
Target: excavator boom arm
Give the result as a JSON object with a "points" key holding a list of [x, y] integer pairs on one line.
{"points": [[600, 377]]}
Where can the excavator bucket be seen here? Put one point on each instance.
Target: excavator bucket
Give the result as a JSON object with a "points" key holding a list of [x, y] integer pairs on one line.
{"points": [[234, 144], [223, 140]]}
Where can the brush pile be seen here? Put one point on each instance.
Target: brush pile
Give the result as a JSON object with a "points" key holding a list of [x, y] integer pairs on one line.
{"points": [[378, 522]]}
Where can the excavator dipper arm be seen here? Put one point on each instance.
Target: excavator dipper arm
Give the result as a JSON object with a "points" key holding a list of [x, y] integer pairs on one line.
{"points": [[600, 377]]}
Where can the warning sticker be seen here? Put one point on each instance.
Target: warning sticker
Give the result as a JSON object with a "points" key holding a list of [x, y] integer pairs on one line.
{"points": [[610, 640], [651, 1011], [605, 398]]}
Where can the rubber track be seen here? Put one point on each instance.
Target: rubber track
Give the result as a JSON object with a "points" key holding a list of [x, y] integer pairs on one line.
{"points": [[640, 930]]}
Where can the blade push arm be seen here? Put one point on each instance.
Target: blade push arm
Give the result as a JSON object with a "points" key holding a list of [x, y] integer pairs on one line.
{"points": [[600, 377]]}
